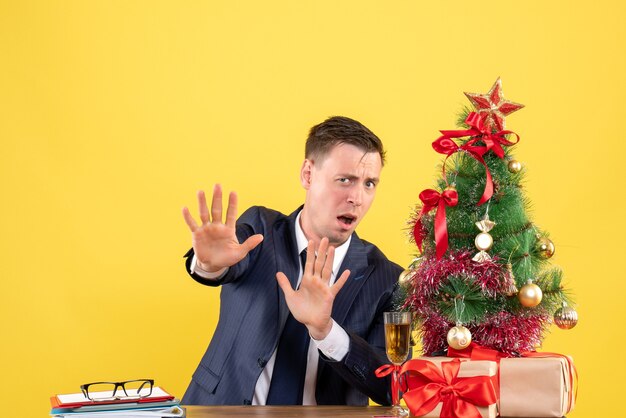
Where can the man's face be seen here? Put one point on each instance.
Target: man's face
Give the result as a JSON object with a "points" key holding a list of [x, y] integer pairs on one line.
{"points": [[340, 190]]}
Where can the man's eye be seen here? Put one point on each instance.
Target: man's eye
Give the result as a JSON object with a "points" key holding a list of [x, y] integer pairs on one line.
{"points": [[370, 184], [344, 180]]}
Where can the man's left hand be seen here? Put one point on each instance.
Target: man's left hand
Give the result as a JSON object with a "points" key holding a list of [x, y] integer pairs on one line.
{"points": [[312, 303]]}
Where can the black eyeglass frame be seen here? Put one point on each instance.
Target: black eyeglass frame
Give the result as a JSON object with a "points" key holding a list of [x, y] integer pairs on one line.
{"points": [[146, 383]]}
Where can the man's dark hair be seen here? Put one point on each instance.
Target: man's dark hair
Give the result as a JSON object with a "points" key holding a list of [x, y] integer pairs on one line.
{"points": [[341, 130]]}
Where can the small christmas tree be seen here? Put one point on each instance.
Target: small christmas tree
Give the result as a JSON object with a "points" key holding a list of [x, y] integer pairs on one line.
{"points": [[483, 273]]}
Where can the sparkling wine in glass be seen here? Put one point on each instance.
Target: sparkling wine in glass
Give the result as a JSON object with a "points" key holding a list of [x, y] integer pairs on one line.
{"points": [[397, 345]]}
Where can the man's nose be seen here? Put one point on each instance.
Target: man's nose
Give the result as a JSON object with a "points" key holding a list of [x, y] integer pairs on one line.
{"points": [[356, 196]]}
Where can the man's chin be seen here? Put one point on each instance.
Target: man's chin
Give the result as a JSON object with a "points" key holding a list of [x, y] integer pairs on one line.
{"points": [[340, 237]]}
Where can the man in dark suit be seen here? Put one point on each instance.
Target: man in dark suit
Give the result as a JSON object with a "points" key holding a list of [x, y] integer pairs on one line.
{"points": [[320, 337]]}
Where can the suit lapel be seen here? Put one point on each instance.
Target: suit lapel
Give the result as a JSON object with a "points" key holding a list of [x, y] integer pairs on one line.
{"points": [[355, 261], [287, 261]]}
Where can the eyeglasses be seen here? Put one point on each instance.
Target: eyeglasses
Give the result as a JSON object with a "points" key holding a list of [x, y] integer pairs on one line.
{"points": [[108, 391]]}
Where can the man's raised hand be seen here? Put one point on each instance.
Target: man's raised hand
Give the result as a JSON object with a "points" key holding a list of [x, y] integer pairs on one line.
{"points": [[215, 243], [312, 303]]}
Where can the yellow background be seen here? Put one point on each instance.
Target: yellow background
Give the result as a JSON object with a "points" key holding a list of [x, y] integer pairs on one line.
{"points": [[113, 114]]}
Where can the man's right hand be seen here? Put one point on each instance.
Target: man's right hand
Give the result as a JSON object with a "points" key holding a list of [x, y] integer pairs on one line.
{"points": [[215, 243]]}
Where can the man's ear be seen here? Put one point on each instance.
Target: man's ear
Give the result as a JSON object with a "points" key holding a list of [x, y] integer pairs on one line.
{"points": [[305, 174]]}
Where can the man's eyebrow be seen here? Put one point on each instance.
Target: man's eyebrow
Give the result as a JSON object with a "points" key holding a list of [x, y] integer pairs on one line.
{"points": [[348, 176], [354, 177]]}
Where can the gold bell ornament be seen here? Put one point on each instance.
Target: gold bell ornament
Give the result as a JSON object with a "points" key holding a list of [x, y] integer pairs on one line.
{"points": [[565, 317], [483, 241], [530, 295], [510, 288]]}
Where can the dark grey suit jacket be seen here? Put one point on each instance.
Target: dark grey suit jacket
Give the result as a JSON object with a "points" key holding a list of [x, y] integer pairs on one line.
{"points": [[253, 312]]}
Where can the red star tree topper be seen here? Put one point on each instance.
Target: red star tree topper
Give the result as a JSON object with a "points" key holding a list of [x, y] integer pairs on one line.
{"points": [[494, 105]]}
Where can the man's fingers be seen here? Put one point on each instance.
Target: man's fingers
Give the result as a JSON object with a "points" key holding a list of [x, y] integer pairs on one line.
{"points": [[231, 212], [202, 207], [327, 271], [320, 261], [284, 284], [249, 244], [340, 282], [310, 260], [191, 223], [216, 204]]}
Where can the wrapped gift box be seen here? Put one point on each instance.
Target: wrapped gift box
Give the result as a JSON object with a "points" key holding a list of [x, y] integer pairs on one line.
{"points": [[536, 387], [467, 369]]}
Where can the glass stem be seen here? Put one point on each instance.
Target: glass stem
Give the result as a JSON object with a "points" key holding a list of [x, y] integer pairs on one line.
{"points": [[396, 409], [395, 388]]}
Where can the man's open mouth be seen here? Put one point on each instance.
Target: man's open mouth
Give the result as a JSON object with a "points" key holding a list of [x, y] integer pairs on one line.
{"points": [[347, 219]]}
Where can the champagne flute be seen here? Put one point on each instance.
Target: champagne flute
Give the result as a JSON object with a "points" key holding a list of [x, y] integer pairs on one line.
{"points": [[397, 345]]}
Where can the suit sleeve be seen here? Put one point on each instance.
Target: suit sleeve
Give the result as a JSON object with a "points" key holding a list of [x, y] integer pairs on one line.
{"points": [[366, 354]]}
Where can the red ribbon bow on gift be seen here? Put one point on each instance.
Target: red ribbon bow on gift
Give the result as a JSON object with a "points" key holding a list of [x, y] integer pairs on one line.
{"points": [[433, 199], [480, 132], [478, 352], [460, 396]]}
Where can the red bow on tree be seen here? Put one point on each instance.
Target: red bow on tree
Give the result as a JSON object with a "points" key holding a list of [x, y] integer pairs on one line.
{"points": [[447, 146], [460, 396], [433, 199], [479, 131]]}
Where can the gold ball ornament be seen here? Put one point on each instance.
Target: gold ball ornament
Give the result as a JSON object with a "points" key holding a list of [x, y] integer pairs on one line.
{"points": [[565, 317], [545, 247], [450, 188], [483, 241], [459, 337], [405, 276], [530, 295], [514, 166]]}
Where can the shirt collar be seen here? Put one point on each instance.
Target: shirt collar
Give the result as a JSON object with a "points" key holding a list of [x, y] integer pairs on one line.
{"points": [[340, 252]]}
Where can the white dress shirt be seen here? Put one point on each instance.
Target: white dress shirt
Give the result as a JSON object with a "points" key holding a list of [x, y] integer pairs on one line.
{"points": [[334, 346]]}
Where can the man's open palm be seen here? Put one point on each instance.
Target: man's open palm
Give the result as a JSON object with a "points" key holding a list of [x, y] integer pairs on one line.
{"points": [[215, 243], [312, 303]]}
